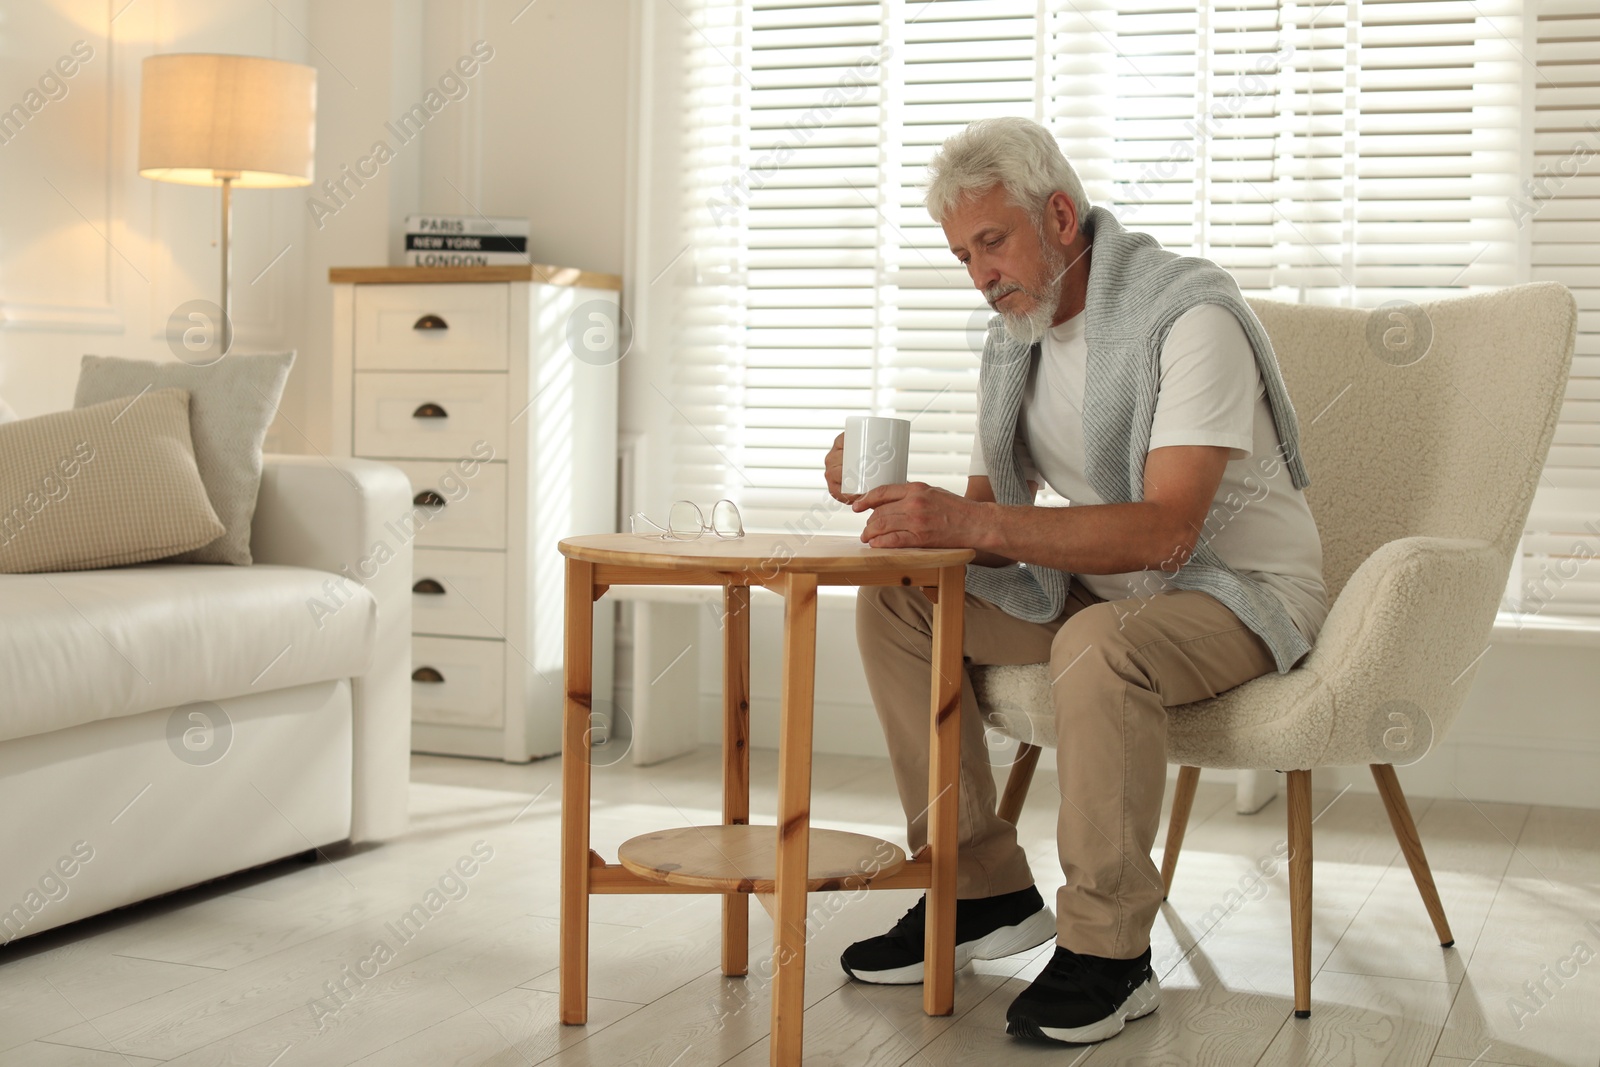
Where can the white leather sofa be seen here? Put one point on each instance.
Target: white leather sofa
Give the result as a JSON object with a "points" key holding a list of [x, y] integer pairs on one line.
{"points": [[165, 724]]}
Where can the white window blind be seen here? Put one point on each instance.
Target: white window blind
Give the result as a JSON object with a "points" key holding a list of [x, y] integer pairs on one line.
{"points": [[1343, 152], [845, 298], [1559, 210]]}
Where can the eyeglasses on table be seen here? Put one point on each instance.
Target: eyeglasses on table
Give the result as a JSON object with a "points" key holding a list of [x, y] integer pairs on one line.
{"points": [[686, 521]]}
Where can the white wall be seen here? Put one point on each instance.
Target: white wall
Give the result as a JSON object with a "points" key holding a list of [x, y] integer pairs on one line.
{"points": [[536, 131], [542, 133], [94, 258], [368, 60]]}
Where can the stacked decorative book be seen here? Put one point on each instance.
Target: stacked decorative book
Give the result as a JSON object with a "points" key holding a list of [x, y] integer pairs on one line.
{"points": [[465, 241]]}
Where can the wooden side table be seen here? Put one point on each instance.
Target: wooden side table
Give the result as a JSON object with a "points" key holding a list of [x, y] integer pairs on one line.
{"points": [[734, 859]]}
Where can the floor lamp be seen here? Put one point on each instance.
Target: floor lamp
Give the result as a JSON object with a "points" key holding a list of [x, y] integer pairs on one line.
{"points": [[234, 121]]}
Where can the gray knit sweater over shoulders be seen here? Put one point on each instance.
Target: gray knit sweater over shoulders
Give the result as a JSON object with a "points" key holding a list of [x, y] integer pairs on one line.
{"points": [[1136, 291]]}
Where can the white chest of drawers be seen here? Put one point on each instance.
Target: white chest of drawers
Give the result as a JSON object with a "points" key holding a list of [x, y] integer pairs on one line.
{"points": [[495, 390]]}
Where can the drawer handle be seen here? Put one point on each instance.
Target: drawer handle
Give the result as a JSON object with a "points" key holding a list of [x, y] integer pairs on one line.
{"points": [[428, 499], [429, 586], [426, 674], [430, 410], [430, 322]]}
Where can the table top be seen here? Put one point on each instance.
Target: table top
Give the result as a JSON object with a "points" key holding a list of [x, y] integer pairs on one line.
{"points": [[770, 554]]}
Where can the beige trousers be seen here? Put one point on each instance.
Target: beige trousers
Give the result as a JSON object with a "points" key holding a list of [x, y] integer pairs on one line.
{"points": [[1116, 666]]}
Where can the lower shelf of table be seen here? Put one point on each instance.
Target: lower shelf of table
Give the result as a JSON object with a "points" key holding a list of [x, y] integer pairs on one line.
{"points": [[744, 859]]}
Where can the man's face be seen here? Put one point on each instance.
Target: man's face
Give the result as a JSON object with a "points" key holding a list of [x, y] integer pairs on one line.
{"points": [[1018, 274]]}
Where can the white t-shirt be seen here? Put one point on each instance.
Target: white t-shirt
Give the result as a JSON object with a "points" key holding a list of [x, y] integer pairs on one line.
{"points": [[1210, 393]]}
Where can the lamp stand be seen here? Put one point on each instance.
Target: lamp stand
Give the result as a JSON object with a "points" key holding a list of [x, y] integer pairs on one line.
{"points": [[227, 177]]}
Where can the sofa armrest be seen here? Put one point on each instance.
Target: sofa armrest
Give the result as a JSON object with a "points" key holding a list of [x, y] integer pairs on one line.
{"points": [[331, 515], [1404, 638]]}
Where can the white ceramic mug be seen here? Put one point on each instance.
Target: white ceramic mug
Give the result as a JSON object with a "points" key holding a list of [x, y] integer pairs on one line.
{"points": [[876, 451]]}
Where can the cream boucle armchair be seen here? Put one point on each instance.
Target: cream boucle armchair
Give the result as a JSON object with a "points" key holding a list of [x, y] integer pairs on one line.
{"points": [[1424, 429]]}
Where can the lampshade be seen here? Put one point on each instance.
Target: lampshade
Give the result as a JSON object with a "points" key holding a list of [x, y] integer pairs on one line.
{"points": [[202, 117]]}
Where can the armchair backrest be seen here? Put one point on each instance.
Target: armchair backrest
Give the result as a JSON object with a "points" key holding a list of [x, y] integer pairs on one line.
{"points": [[1424, 420]]}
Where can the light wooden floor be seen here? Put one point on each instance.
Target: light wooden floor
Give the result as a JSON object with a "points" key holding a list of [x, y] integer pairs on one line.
{"points": [[228, 973]]}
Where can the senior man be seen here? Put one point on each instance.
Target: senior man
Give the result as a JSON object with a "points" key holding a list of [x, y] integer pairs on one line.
{"points": [[1139, 386]]}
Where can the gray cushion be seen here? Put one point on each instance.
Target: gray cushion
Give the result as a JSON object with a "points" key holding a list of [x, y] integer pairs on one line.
{"points": [[231, 404]]}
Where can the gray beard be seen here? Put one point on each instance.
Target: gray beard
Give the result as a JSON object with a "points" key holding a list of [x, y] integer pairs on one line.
{"points": [[1028, 328]]}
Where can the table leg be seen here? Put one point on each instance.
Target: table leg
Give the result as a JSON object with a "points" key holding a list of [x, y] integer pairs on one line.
{"points": [[736, 762], [944, 769], [575, 729], [794, 817]]}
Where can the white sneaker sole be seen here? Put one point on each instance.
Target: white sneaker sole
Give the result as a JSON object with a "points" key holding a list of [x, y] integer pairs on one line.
{"points": [[1141, 1002], [1031, 932]]}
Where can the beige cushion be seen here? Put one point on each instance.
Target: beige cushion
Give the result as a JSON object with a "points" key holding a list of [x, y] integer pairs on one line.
{"points": [[231, 404], [101, 486]]}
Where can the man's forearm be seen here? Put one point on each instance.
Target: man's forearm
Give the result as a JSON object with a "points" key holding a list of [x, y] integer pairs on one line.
{"points": [[1087, 539]]}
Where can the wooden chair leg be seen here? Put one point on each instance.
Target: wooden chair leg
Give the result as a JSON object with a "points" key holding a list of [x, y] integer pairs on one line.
{"points": [[1182, 804], [1405, 830], [1017, 782], [1300, 887]]}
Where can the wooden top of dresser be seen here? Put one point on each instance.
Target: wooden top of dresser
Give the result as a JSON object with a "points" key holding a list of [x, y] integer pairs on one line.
{"points": [[516, 272]]}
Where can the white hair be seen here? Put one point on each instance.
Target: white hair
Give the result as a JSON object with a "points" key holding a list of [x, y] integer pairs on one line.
{"points": [[1016, 153]]}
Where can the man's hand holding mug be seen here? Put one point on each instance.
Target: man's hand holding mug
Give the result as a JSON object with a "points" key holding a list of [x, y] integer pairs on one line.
{"points": [[866, 468]]}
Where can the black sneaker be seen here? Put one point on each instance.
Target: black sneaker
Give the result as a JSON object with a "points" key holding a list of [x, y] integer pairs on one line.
{"points": [[987, 928], [1083, 999]]}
